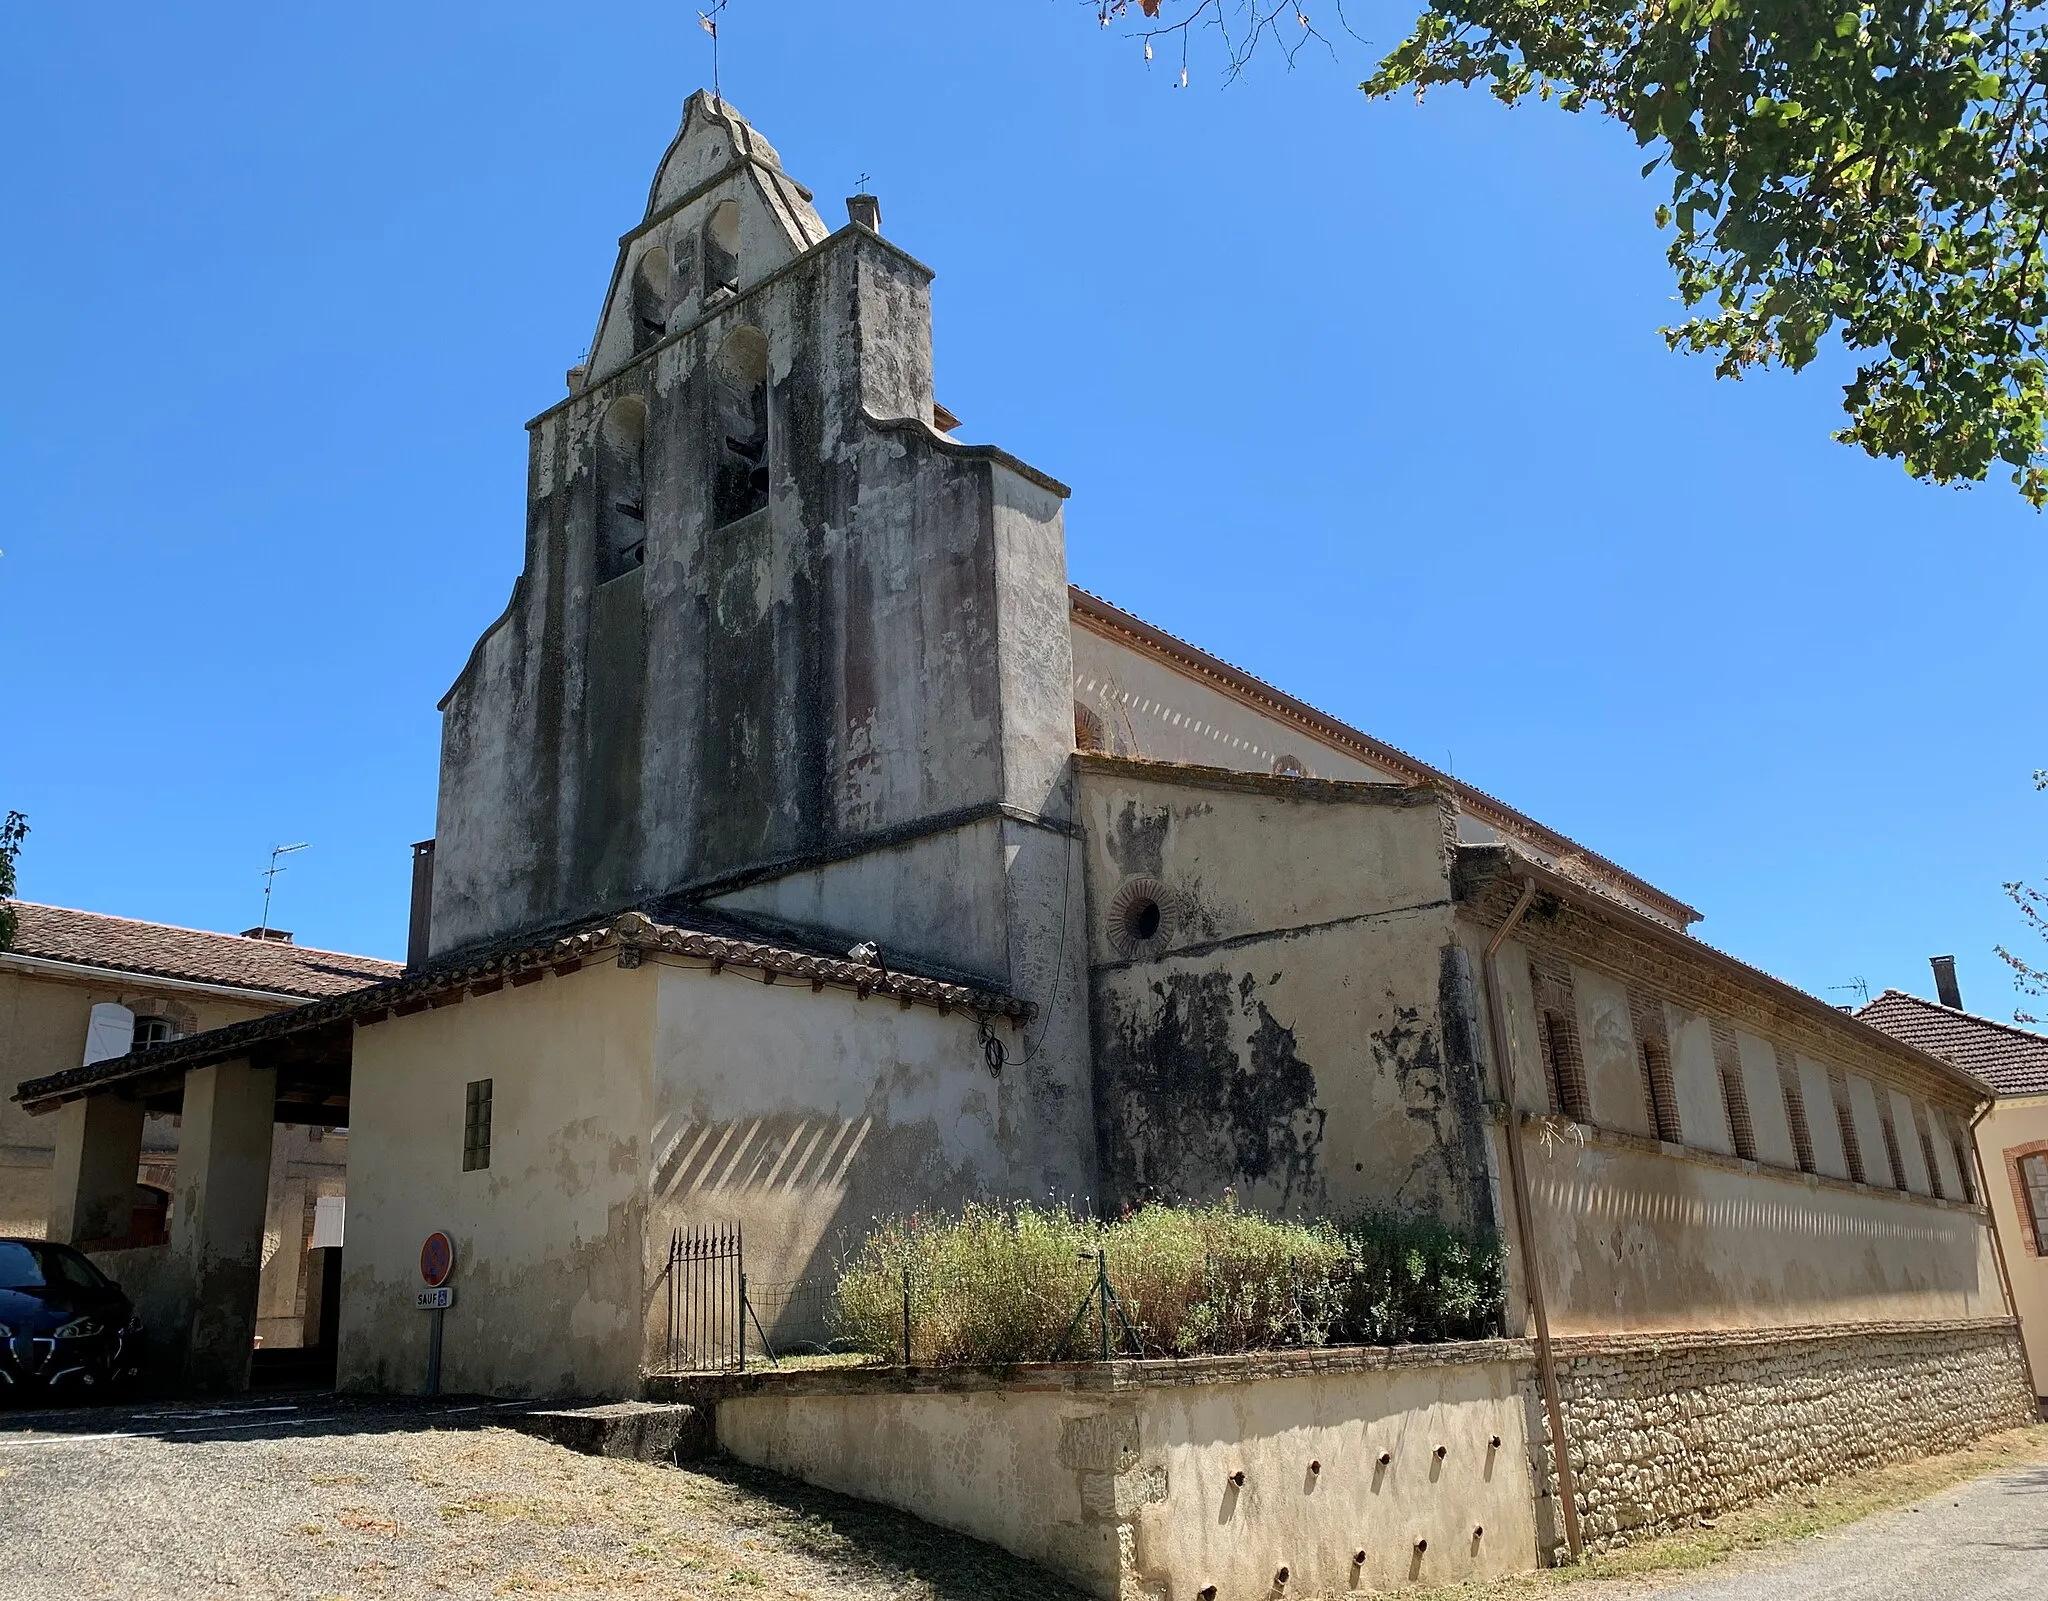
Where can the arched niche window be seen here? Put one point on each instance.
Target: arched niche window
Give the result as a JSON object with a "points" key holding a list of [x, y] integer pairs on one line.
{"points": [[722, 247], [621, 488], [154, 1031], [651, 284], [739, 404]]}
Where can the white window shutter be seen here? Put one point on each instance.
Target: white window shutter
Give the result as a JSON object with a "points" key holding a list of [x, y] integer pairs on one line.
{"points": [[111, 1032], [330, 1216]]}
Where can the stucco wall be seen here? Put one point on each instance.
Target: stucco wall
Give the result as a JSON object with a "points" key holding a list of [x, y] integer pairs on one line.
{"points": [[1283, 1033], [2019, 1125], [549, 1281], [627, 1103], [802, 1117], [1632, 1237], [1665, 1432], [1634, 1233], [1128, 1491]]}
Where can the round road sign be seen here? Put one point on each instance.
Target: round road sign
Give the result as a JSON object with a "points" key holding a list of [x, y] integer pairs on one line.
{"points": [[437, 1259]]}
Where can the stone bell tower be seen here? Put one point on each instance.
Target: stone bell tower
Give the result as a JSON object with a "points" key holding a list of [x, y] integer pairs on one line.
{"points": [[779, 644]]}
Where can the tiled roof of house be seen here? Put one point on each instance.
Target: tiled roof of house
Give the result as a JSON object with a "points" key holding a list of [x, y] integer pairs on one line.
{"points": [[481, 973], [2013, 1061], [124, 945]]}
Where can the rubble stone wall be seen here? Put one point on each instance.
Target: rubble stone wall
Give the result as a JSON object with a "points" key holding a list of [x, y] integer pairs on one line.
{"points": [[1667, 1430]]}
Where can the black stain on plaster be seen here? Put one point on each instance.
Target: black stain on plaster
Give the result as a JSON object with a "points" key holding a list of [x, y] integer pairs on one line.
{"points": [[1137, 840], [1186, 1111]]}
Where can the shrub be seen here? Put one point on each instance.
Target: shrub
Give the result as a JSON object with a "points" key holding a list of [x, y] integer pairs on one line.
{"points": [[997, 1285]]}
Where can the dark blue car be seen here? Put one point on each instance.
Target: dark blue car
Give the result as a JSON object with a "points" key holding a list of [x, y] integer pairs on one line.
{"points": [[65, 1327]]}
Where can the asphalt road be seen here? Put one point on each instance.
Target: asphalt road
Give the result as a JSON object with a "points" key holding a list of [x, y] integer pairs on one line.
{"points": [[1983, 1541]]}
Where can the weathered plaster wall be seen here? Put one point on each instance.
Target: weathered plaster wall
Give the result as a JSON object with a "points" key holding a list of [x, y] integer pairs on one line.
{"points": [[880, 647], [1634, 1233], [2017, 1126], [802, 1117], [1632, 1237], [1001, 900], [158, 1287], [1283, 1033], [1669, 1431], [1431, 1464], [1128, 1491], [550, 1282]]}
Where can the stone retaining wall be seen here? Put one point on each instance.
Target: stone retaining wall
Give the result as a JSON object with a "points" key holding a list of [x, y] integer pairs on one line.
{"points": [[1667, 1430]]}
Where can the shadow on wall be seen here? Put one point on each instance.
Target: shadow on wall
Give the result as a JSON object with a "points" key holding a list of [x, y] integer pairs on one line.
{"points": [[755, 1158]]}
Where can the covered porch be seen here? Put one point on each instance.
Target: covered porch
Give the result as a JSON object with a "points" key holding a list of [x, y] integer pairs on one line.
{"points": [[197, 1289]]}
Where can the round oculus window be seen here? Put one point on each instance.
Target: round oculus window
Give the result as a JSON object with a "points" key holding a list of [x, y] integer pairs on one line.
{"points": [[1141, 917]]}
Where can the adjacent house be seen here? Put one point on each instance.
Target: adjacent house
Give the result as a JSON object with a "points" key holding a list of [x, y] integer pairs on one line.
{"points": [[81, 987], [2011, 1137], [808, 851]]}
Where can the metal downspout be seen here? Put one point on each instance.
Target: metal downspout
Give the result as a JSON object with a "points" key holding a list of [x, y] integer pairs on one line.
{"points": [[1525, 1234], [2012, 1309]]}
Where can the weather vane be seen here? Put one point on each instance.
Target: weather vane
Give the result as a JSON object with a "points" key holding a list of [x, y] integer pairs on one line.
{"points": [[708, 21]]}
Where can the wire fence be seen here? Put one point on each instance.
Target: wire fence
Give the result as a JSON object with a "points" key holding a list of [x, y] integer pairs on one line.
{"points": [[994, 1287]]}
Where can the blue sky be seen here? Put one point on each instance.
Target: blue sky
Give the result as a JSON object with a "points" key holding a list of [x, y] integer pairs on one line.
{"points": [[1368, 399]]}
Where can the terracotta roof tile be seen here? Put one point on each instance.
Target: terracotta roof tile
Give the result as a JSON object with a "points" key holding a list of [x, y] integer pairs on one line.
{"points": [[124, 945], [455, 977], [2013, 1061]]}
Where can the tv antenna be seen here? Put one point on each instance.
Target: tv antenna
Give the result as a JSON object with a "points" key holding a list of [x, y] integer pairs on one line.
{"points": [[270, 881], [1855, 986]]}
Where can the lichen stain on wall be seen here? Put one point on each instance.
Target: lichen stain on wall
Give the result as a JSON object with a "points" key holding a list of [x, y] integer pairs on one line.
{"points": [[1206, 1089], [1406, 1053], [1137, 839]]}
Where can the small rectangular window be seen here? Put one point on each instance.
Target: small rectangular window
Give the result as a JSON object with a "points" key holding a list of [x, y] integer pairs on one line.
{"points": [[476, 1125]]}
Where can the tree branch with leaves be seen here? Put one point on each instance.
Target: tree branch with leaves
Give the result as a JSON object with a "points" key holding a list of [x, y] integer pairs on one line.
{"points": [[2027, 978], [1873, 174], [12, 832]]}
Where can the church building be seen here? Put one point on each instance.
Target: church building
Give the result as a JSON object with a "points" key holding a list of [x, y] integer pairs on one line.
{"points": [[809, 851]]}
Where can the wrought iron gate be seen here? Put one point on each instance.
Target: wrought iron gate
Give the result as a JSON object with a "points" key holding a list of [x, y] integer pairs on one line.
{"points": [[707, 1300]]}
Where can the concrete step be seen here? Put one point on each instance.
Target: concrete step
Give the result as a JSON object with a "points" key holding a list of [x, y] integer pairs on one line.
{"points": [[644, 1431]]}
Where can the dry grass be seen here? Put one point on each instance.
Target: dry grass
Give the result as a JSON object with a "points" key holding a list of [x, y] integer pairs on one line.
{"points": [[1794, 1516], [390, 1510]]}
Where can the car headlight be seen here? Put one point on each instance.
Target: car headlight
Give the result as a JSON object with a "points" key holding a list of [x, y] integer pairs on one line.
{"points": [[5, 1332], [81, 1328]]}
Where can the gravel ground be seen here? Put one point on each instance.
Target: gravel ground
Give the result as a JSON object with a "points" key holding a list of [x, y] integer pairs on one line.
{"points": [[312, 1498], [1983, 1541]]}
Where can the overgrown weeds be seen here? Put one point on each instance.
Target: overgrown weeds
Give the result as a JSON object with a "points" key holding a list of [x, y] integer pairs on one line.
{"points": [[995, 1285]]}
